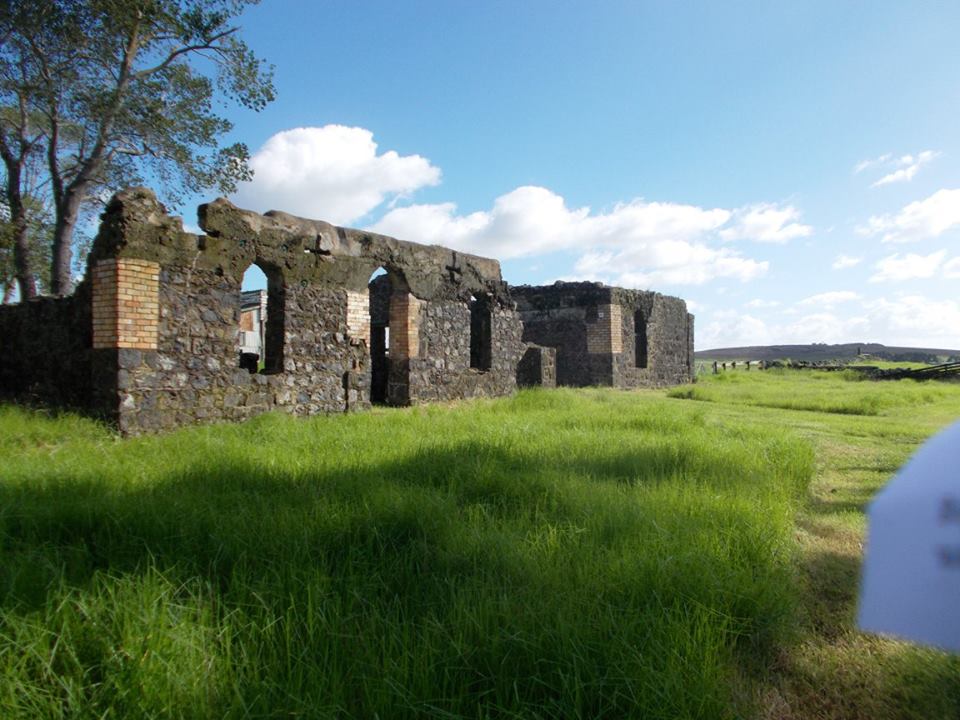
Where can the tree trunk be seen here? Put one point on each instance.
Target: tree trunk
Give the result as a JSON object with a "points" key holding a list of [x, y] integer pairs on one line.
{"points": [[26, 280], [21, 244], [61, 281]]}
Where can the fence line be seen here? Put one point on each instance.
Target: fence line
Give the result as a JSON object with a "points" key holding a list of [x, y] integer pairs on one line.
{"points": [[715, 367]]}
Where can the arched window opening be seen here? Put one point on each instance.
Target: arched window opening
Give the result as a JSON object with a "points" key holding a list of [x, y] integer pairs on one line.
{"points": [[640, 339], [261, 319], [380, 289], [481, 341]]}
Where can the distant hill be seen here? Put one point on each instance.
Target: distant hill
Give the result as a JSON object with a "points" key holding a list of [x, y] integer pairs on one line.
{"points": [[822, 351]]}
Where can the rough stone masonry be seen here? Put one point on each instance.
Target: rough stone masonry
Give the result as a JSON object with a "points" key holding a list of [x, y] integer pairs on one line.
{"points": [[609, 336], [149, 340]]}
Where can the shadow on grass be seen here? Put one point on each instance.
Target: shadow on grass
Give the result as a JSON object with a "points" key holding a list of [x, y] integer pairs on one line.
{"points": [[831, 582], [221, 510], [449, 578], [850, 675], [845, 501]]}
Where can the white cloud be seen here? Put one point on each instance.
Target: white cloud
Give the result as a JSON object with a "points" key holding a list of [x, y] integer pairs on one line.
{"points": [[915, 320], [634, 244], [827, 326], [865, 164], [904, 320], [900, 169], [766, 222], [331, 173], [655, 263], [734, 330], [758, 303], [951, 268], [531, 220], [909, 165], [908, 267], [919, 220], [337, 173], [846, 261], [829, 299]]}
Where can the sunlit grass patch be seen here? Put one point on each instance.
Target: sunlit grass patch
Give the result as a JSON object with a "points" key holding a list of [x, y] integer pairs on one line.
{"points": [[843, 393]]}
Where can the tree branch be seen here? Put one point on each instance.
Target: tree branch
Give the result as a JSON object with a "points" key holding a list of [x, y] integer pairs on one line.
{"points": [[5, 153], [174, 54], [56, 179]]}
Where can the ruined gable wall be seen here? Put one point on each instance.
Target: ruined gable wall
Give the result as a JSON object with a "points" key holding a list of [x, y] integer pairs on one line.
{"points": [[190, 373], [321, 272]]}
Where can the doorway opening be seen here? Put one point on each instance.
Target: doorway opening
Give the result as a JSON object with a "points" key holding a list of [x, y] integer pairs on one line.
{"points": [[262, 319], [640, 339], [481, 330]]}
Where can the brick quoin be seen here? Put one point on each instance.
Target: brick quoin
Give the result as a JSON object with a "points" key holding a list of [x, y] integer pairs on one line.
{"points": [[405, 317], [358, 315], [126, 304], [603, 334]]}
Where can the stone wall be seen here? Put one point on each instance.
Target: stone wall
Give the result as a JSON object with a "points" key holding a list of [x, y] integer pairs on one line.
{"points": [[562, 317], [594, 329], [669, 335], [442, 367], [47, 353], [538, 367], [151, 342]]}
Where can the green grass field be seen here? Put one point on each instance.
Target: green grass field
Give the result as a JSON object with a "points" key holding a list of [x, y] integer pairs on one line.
{"points": [[559, 554]]}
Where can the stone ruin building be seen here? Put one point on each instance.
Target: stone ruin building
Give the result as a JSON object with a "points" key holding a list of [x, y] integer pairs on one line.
{"points": [[609, 336], [159, 335]]}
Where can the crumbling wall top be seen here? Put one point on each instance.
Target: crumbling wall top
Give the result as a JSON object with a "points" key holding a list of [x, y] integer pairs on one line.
{"points": [[584, 294], [136, 225]]}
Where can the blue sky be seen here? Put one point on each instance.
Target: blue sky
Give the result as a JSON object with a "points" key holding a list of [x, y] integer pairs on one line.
{"points": [[790, 169]]}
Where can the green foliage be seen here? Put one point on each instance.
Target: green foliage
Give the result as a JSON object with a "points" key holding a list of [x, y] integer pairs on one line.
{"points": [[113, 92], [558, 554], [39, 232]]}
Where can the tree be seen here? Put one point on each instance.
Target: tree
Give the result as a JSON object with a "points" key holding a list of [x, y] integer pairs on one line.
{"points": [[113, 92], [36, 241]]}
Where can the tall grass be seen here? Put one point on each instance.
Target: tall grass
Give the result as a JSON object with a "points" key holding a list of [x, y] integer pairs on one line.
{"points": [[844, 393], [832, 670], [558, 554]]}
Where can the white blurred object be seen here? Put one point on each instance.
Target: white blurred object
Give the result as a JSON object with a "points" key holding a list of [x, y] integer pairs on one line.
{"points": [[911, 573]]}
